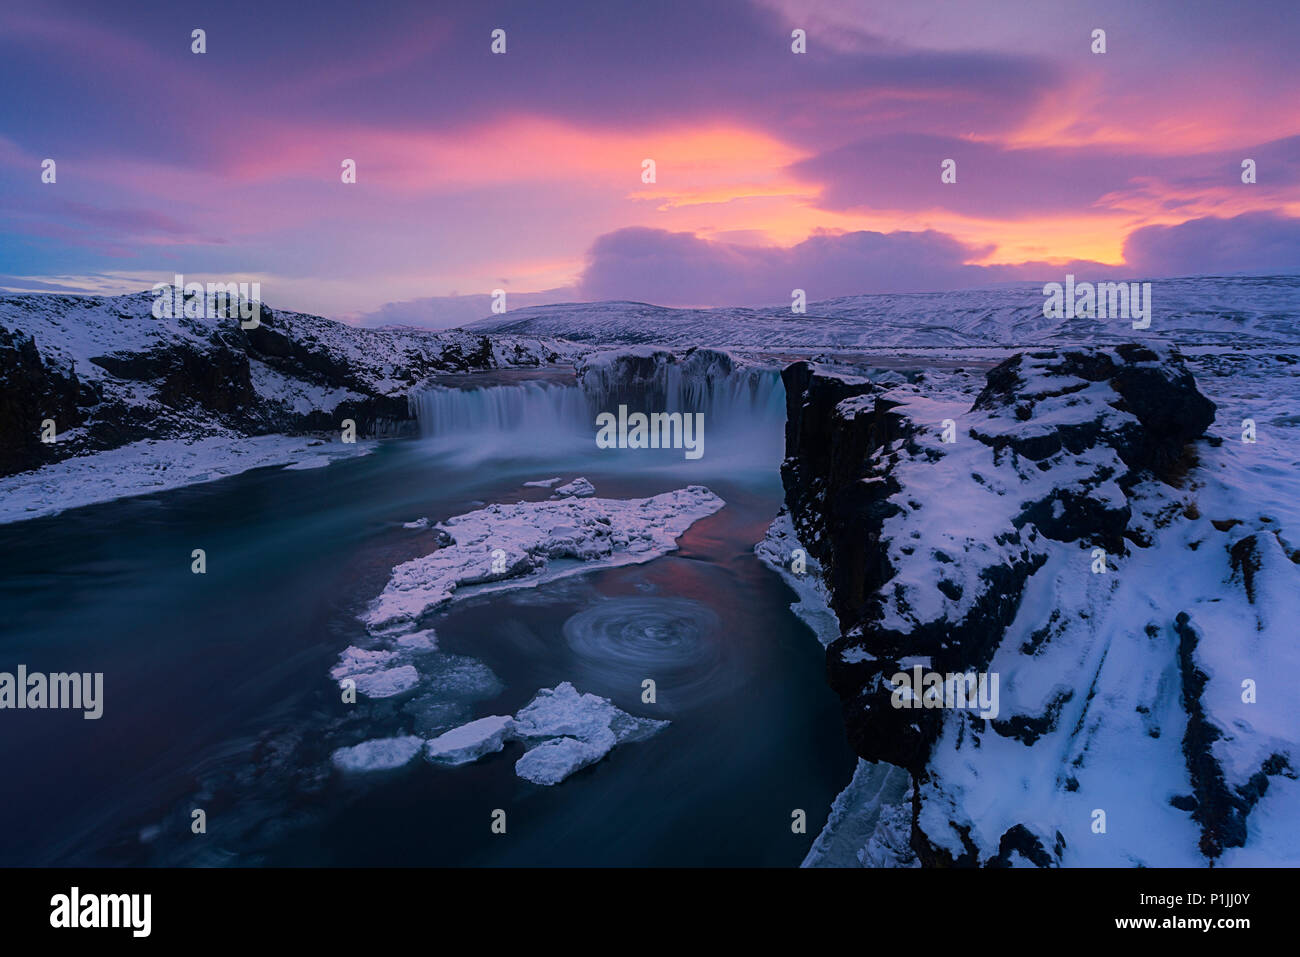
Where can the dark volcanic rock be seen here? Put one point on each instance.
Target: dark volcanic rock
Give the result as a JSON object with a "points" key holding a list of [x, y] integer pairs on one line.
{"points": [[35, 390]]}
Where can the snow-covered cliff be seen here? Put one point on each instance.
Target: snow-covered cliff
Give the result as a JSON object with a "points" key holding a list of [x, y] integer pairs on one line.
{"points": [[1076, 526]]}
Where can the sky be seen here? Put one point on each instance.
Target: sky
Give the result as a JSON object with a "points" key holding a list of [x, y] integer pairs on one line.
{"points": [[524, 171]]}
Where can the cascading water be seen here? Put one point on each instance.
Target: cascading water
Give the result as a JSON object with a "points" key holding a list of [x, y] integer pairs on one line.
{"points": [[743, 408], [520, 418]]}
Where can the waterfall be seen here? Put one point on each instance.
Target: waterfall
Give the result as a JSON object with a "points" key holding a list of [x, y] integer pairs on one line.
{"points": [[525, 419], [528, 407]]}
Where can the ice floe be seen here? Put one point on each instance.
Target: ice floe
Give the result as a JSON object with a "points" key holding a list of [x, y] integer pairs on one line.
{"points": [[527, 543], [381, 754], [387, 683], [578, 488], [470, 741]]}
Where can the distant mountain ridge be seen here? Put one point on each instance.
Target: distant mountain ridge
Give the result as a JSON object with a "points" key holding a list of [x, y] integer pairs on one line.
{"points": [[1200, 310]]}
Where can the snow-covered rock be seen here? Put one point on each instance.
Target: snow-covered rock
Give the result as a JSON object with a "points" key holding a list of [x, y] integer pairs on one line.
{"points": [[527, 543], [381, 754], [1074, 532], [110, 375]]}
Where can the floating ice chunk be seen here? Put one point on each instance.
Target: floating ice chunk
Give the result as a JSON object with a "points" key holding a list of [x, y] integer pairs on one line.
{"points": [[381, 754], [471, 741], [542, 483], [387, 683], [418, 641], [574, 730], [554, 760], [357, 661], [628, 728], [563, 710], [418, 523], [313, 462], [534, 536], [578, 488], [460, 676]]}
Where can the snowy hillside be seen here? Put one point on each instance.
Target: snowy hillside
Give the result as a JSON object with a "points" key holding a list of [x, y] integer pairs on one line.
{"points": [[1226, 311], [108, 373]]}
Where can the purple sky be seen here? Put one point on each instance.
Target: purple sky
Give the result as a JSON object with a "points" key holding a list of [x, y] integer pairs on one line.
{"points": [[522, 171]]}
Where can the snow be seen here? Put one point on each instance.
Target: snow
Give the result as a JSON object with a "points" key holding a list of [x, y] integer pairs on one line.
{"points": [[1218, 310], [471, 741], [1099, 745], [157, 465], [526, 543], [75, 329], [381, 754], [298, 396], [1093, 660]]}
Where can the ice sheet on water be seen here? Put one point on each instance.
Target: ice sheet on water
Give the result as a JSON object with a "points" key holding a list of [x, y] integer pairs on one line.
{"points": [[381, 754], [564, 729], [520, 544], [471, 741]]}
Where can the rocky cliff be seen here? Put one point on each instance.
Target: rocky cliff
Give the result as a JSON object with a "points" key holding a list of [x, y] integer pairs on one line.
{"points": [[108, 373], [1054, 533]]}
